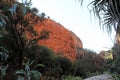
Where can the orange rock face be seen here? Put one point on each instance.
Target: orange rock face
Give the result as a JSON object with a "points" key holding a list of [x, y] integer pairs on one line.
{"points": [[61, 40]]}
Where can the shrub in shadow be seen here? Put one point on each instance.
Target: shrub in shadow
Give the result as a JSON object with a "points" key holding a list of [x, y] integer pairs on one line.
{"points": [[113, 65], [87, 65], [54, 65]]}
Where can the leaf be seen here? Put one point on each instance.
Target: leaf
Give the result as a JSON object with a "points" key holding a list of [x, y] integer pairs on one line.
{"points": [[24, 10], [35, 75], [4, 22], [20, 72], [1, 36], [27, 68], [3, 69], [20, 78], [13, 9], [31, 63], [3, 54], [1, 24], [26, 2], [40, 65], [34, 10]]}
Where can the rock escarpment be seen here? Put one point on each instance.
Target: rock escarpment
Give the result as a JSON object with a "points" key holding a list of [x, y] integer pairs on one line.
{"points": [[61, 40]]}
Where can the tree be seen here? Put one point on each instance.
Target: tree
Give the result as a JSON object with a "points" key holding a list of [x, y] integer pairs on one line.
{"points": [[16, 28], [15, 25], [17, 35], [108, 12]]}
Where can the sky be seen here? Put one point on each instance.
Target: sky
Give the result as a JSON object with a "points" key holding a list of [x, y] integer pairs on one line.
{"points": [[78, 19]]}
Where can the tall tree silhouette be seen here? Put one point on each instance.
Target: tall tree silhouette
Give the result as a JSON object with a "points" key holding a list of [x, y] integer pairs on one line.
{"points": [[16, 25]]}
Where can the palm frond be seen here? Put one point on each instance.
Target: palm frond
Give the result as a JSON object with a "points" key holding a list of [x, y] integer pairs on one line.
{"points": [[81, 1], [108, 12]]}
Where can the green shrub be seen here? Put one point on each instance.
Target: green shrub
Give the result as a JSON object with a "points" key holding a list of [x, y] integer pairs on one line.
{"points": [[65, 64], [71, 78], [54, 65], [88, 65], [114, 65], [41, 54], [60, 66]]}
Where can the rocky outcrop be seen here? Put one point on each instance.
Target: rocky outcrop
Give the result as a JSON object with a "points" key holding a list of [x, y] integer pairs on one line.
{"points": [[77, 41], [61, 40]]}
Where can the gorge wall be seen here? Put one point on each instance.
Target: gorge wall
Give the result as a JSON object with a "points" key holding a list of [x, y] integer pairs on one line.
{"points": [[61, 40]]}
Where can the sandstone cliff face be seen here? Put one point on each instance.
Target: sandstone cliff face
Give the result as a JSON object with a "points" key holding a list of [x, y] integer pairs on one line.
{"points": [[61, 40], [77, 41]]}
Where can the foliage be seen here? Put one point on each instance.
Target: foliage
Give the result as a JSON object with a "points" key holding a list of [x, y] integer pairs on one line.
{"points": [[108, 55], [69, 77], [113, 65], [27, 73], [108, 13], [89, 64], [44, 34], [16, 21], [41, 54], [55, 66], [65, 64]]}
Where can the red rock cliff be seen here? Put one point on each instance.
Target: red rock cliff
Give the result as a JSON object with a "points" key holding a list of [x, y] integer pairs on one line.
{"points": [[61, 40]]}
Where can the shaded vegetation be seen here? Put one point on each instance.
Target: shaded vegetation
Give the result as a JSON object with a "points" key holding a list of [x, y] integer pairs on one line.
{"points": [[15, 23], [113, 65], [88, 65], [108, 12], [23, 59]]}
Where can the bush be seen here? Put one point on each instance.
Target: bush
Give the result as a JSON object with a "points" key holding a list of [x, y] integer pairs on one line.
{"points": [[114, 65], [59, 67], [54, 65], [87, 65], [71, 78], [65, 64]]}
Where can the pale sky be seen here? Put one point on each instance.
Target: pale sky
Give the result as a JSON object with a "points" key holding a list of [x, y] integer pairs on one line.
{"points": [[76, 18]]}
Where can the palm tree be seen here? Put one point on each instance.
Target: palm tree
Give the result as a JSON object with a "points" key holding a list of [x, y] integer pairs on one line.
{"points": [[108, 12]]}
